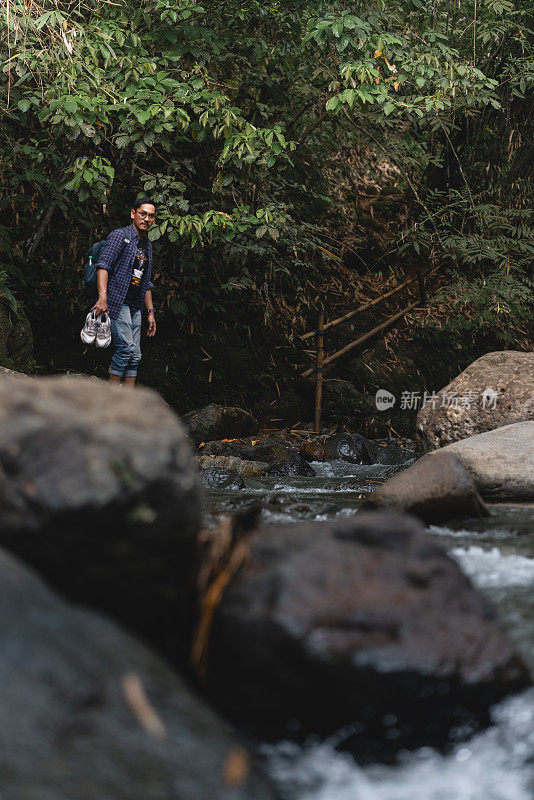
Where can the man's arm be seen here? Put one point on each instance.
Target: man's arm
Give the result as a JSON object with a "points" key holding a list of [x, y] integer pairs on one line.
{"points": [[151, 317], [110, 253], [101, 305]]}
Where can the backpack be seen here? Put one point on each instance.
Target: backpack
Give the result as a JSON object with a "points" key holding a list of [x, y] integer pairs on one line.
{"points": [[91, 264]]}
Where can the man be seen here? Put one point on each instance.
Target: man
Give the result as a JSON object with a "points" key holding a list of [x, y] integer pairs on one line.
{"points": [[124, 288]]}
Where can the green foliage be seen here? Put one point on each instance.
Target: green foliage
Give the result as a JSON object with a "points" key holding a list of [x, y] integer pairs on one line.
{"points": [[232, 116]]}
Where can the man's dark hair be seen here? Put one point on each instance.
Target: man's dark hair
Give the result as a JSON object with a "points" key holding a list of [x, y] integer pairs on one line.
{"points": [[142, 201]]}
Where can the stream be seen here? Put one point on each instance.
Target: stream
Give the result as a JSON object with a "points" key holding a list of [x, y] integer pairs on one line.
{"points": [[498, 554]]}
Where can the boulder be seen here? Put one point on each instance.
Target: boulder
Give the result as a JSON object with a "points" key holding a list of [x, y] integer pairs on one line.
{"points": [[89, 712], [219, 478], [495, 390], [247, 469], [388, 451], [10, 373], [501, 461], [259, 448], [351, 447], [216, 422], [361, 622], [315, 451], [435, 489], [98, 490], [292, 467]]}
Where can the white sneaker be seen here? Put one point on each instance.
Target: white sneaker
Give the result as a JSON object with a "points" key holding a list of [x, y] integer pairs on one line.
{"points": [[103, 331], [88, 332]]}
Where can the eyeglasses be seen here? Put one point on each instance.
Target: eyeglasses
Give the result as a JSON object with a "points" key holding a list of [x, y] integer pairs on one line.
{"points": [[144, 215]]}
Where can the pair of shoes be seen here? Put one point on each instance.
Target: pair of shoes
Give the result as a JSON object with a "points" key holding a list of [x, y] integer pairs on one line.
{"points": [[97, 330]]}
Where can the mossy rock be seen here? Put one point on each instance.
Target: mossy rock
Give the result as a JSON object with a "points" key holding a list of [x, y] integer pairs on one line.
{"points": [[16, 340]]}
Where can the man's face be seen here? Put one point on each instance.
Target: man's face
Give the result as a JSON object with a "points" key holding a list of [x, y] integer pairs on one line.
{"points": [[143, 217]]}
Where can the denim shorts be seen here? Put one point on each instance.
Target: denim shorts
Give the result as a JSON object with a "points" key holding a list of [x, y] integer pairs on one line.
{"points": [[126, 333]]}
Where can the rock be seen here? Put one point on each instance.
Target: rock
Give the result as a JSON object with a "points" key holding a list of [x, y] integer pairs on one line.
{"points": [[216, 422], [292, 467], [16, 340], [389, 451], [260, 448], [219, 478], [247, 469], [509, 375], [98, 490], [10, 373], [88, 712], [362, 622], [501, 461], [435, 489], [315, 451], [349, 447]]}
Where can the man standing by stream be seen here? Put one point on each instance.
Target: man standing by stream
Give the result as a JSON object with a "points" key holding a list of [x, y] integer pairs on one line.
{"points": [[124, 286]]}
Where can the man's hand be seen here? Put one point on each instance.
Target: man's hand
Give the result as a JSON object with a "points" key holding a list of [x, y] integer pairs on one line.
{"points": [[151, 325], [101, 305]]}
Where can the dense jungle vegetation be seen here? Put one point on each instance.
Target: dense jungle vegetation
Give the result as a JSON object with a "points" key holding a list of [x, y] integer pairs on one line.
{"points": [[302, 154]]}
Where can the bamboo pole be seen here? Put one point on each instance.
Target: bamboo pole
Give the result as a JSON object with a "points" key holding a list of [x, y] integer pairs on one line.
{"points": [[319, 373], [363, 338], [370, 304]]}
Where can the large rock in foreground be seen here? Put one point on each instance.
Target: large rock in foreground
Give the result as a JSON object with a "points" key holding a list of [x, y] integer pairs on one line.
{"points": [[495, 390], [216, 422], [89, 713], [98, 490], [501, 462], [434, 489], [362, 622]]}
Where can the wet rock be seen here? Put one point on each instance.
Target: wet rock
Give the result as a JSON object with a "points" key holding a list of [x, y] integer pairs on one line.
{"points": [[219, 478], [390, 452], [436, 488], [362, 622], [315, 451], [88, 712], [351, 447], [506, 379], [217, 422], [103, 479], [259, 448], [247, 469], [292, 467], [501, 461]]}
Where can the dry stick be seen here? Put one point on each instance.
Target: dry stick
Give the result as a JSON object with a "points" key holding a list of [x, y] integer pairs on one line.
{"points": [[319, 375], [364, 338], [210, 601]]}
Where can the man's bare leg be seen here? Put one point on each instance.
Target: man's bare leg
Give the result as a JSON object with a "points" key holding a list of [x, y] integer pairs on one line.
{"points": [[114, 378], [130, 381]]}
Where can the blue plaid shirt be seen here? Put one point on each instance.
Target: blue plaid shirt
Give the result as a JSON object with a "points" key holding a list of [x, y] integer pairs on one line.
{"points": [[118, 256]]}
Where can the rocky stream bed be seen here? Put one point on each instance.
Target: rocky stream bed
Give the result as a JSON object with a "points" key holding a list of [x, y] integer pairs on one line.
{"points": [[498, 554], [298, 643]]}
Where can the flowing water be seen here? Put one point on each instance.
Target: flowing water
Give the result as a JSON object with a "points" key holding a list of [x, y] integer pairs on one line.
{"points": [[498, 554]]}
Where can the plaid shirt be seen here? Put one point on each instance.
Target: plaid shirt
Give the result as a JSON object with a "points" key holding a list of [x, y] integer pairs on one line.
{"points": [[118, 256]]}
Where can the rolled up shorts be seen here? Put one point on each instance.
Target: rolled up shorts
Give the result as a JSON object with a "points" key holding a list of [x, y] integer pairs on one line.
{"points": [[126, 333]]}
